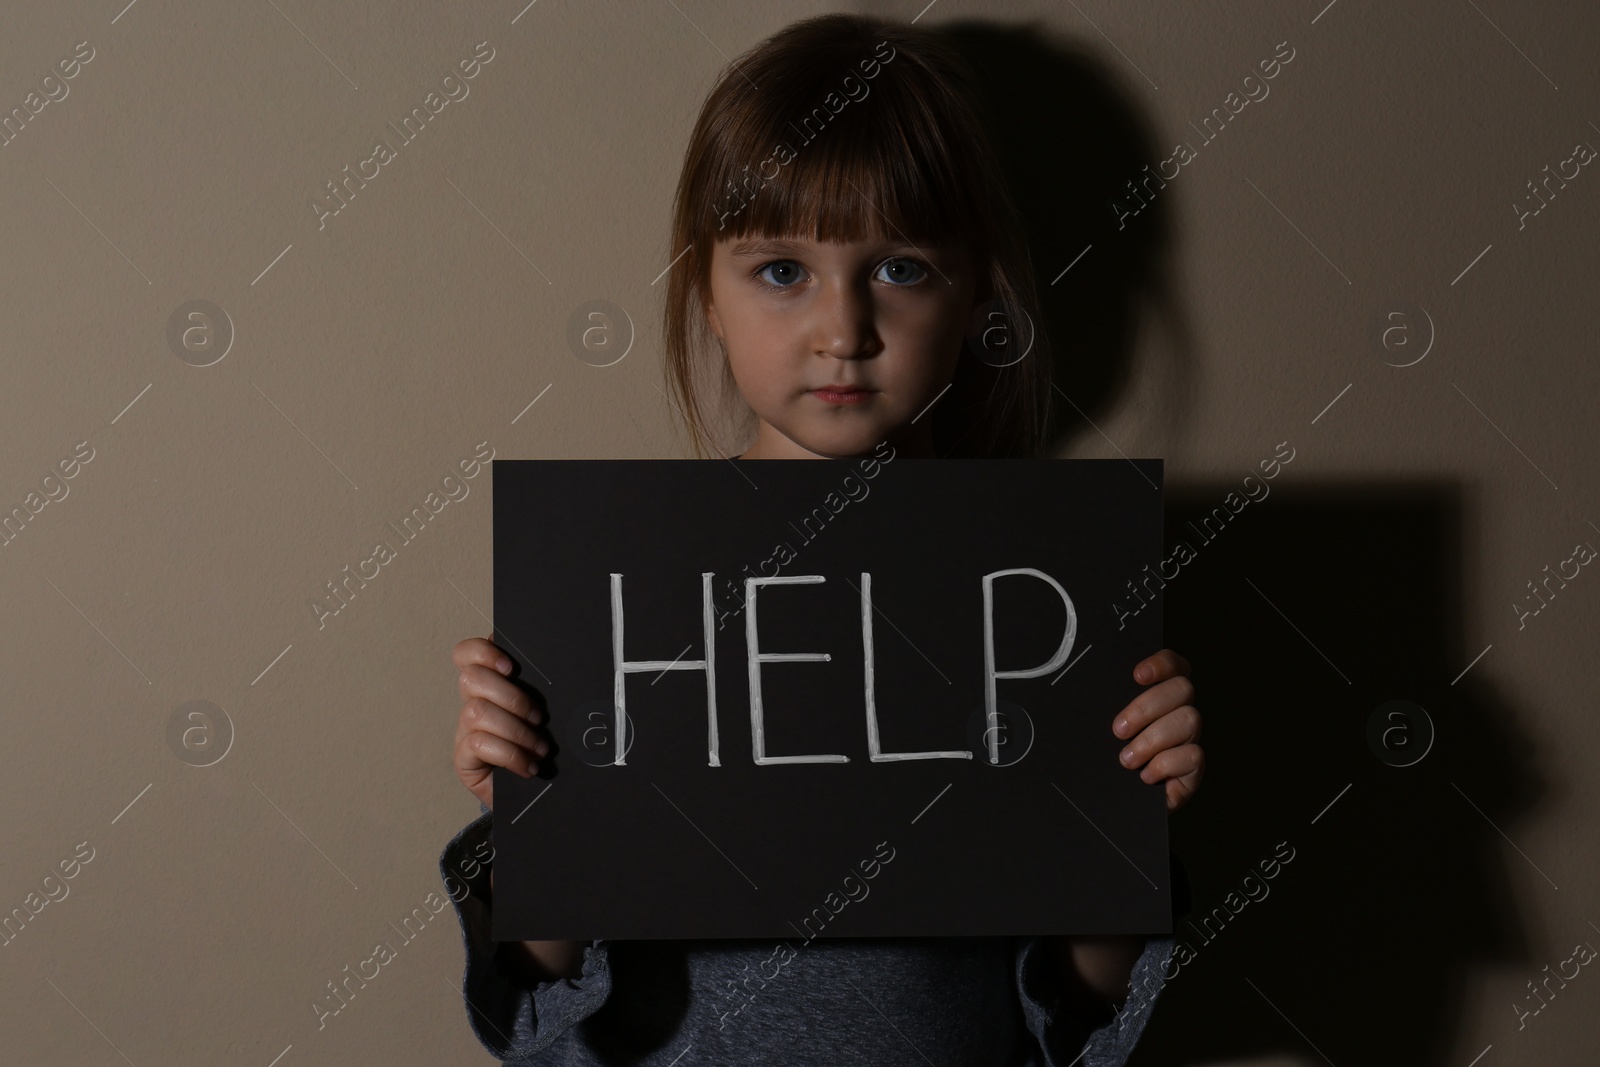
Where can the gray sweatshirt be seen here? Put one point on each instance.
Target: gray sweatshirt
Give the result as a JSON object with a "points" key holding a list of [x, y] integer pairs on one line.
{"points": [[884, 1001]]}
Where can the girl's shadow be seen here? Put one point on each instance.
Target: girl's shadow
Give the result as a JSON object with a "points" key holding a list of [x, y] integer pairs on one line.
{"points": [[1082, 170], [1303, 612]]}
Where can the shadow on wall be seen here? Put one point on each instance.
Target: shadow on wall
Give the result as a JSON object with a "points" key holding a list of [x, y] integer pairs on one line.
{"points": [[1302, 615], [1071, 141]]}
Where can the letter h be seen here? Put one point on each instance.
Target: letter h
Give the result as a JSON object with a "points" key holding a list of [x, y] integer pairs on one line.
{"points": [[624, 667]]}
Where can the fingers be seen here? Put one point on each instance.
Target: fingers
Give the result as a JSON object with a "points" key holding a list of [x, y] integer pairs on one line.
{"points": [[1159, 667], [1176, 728], [479, 752], [479, 715], [481, 682], [1152, 704], [482, 652], [476, 756], [1183, 767], [496, 725], [1176, 762]]}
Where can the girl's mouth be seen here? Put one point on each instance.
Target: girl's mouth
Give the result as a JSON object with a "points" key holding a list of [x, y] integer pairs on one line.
{"points": [[836, 394]]}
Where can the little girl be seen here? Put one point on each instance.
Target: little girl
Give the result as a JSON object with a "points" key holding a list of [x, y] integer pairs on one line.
{"points": [[851, 248]]}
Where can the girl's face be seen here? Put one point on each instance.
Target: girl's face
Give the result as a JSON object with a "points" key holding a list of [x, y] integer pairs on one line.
{"points": [[882, 320]]}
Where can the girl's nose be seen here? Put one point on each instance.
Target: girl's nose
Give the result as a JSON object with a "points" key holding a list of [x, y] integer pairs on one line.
{"points": [[843, 327]]}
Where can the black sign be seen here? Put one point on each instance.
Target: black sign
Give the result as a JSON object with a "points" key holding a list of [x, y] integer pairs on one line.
{"points": [[828, 697]]}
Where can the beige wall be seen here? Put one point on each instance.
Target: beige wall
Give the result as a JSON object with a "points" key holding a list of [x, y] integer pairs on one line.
{"points": [[373, 352]]}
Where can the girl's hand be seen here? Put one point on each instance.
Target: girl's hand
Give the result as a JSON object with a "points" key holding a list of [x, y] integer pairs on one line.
{"points": [[496, 729], [496, 724], [1164, 726]]}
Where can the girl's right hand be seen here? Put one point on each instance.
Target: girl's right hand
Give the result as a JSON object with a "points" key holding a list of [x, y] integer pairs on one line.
{"points": [[497, 724], [497, 728]]}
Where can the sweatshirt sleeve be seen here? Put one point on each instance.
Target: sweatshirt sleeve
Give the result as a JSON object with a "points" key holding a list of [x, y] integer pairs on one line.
{"points": [[1092, 1034], [511, 1020]]}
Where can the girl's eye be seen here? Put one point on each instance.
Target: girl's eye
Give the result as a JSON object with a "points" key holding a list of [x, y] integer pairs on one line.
{"points": [[904, 267], [786, 273]]}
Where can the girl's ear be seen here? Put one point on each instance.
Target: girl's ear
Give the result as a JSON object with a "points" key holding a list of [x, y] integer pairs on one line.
{"points": [[711, 317]]}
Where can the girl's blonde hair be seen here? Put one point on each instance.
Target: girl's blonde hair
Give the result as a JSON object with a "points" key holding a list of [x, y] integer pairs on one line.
{"points": [[897, 151]]}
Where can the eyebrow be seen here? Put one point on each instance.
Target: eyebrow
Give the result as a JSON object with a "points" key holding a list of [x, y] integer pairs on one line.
{"points": [[760, 247]]}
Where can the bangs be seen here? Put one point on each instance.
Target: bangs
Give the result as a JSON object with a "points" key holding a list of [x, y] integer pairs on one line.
{"points": [[828, 154]]}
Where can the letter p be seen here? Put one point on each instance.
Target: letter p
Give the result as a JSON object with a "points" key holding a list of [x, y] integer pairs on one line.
{"points": [[990, 675]]}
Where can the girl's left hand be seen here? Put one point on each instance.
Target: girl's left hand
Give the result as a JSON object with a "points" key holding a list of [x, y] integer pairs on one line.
{"points": [[1164, 726]]}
